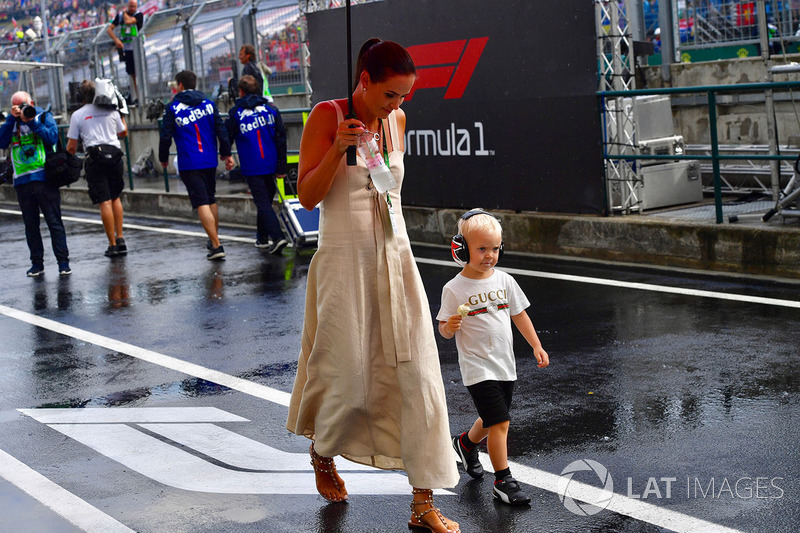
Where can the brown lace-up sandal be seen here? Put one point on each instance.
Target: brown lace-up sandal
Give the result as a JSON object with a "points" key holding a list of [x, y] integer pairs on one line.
{"points": [[431, 518], [329, 484]]}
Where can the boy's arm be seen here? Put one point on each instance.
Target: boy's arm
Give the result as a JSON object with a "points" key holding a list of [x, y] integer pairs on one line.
{"points": [[525, 326], [448, 329]]}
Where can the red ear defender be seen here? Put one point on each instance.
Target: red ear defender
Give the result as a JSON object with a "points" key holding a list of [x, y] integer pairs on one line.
{"points": [[458, 246], [459, 250]]}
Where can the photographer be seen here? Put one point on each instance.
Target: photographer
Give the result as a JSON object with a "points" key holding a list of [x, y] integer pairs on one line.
{"points": [[101, 129], [31, 132], [130, 23]]}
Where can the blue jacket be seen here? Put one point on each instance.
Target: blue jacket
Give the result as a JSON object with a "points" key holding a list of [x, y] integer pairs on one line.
{"points": [[194, 122], [29, 141], [257, 129]]}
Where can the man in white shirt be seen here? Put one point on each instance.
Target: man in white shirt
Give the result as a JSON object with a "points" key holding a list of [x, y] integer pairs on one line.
{"points": [[101, 128]]}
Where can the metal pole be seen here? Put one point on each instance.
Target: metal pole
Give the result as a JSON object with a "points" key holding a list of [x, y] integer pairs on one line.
{"points": [[769, 100], [712, 122], [667, 41], [128, 156], [166, 175]]}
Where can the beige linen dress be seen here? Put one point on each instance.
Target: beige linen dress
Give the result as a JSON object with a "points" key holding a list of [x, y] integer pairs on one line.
{"points": [[369, 385]]}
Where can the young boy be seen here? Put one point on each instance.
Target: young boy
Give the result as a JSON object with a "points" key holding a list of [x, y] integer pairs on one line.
{"points": [[478, 306]]}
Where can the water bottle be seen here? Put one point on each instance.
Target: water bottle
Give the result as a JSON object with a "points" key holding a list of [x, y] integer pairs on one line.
{"points": [[382, 177]]}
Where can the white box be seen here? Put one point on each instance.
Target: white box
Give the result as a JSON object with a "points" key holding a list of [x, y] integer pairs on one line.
{"points": [[653, 117], [673, 145], [670, 184]]}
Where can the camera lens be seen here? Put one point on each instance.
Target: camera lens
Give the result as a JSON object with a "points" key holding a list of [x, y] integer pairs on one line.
{"points": [[28, 111]]}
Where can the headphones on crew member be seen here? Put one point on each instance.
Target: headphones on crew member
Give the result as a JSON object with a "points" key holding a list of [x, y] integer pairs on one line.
{"points": [[458, 246]]}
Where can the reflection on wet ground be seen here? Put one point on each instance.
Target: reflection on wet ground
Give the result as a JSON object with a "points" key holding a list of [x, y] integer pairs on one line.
{"points": [[648, 383]]}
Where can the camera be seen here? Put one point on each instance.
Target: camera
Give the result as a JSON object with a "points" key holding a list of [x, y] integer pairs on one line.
{"points": [[27, 111]]}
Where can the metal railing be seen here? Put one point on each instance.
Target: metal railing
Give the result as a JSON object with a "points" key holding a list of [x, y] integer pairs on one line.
{"points": [[715, 157]]}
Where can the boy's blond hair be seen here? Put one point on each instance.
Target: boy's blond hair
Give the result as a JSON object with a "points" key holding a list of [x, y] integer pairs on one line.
{"points": [[480, 221]]}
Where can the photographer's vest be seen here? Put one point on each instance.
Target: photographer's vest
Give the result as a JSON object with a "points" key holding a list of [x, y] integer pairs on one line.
{"points": [[127, 32], [265, 78], [27, 153]]}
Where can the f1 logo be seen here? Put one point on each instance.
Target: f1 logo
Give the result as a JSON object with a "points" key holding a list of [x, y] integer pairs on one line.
{"points": [[449, 64]]}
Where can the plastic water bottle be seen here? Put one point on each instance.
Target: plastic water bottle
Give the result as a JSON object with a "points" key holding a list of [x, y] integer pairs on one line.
{"points": [[381, 176]]}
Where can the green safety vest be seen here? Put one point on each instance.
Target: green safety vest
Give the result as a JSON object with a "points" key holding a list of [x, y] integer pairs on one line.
{"points": [[27, 153], [127, 32]]}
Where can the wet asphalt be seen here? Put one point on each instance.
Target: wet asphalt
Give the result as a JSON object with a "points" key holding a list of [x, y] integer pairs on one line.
{"points": [[688, 402]]}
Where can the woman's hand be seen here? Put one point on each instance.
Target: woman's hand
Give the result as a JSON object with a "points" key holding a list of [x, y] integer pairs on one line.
{"points": [[347, 136]]}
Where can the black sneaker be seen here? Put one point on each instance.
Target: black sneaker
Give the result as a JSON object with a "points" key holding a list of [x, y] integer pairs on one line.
{"points": [[35, 271], [209, 246], [63, 269], [112, 251], [469, 460], [262, 244], [216, 253], [277, 246], [122, 248], [508, 491]]}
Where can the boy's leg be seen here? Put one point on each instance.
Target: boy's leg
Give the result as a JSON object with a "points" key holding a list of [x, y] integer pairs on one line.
{"points": [[477, 432], [506, 488], [467, 450], [497, 445]]}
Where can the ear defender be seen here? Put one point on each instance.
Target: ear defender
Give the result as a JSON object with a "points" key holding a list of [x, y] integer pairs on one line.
{"points": [[458, 246], [459, 250]]}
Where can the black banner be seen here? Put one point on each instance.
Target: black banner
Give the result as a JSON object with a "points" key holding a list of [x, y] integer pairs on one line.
{"points": [[503, 114]]}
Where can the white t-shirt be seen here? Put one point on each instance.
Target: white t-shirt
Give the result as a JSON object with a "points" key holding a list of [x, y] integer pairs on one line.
{"points": [[96, 125], [485, 340]]}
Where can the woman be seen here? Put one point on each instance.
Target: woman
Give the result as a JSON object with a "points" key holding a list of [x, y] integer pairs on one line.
{"points": [[368, 383]]}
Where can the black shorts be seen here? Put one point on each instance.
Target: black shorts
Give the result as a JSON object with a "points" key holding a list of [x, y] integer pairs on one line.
{"points": [[130, 68], [201, 184], [493, 400], [105, 181]]}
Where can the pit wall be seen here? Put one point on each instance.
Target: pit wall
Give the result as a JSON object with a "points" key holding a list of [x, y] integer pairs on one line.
{"points": [[742, 118]]}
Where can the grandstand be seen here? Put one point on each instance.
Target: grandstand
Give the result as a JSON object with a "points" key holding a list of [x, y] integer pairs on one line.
{"points": [[87, 52]]}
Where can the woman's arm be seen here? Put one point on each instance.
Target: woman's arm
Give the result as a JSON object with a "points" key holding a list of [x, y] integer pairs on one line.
{"points": [[322, 147]]}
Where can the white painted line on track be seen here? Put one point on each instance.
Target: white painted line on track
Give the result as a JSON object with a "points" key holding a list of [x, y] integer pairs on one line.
{"points": [[636, 509], [191, 369], [632, 285], [61, 501], [538, 478], [520, 272], [170, 231]]}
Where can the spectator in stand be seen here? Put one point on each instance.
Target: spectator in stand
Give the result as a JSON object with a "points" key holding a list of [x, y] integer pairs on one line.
{"points": [[130, 22]]}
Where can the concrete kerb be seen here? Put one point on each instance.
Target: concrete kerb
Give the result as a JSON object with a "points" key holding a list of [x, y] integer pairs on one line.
{"points": [[766, 251]]}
